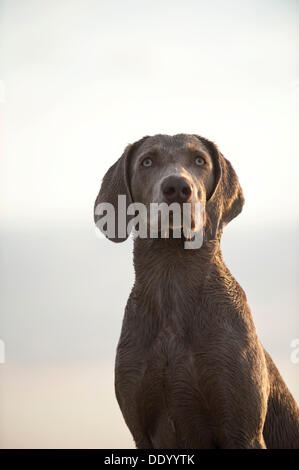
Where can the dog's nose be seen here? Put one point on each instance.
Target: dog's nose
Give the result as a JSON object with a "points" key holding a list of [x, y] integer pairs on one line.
{"points": [[176, 189]]}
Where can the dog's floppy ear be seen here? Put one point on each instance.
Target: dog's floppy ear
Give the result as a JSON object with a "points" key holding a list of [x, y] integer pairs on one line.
{"points": [[226, 200], [115, 183]]}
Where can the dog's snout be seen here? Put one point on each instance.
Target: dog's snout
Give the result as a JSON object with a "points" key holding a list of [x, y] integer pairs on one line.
{"points": [[176, 189]]}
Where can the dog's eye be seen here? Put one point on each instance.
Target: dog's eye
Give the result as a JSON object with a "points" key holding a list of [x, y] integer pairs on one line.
{"points": [[147, 162], [200, 161]]}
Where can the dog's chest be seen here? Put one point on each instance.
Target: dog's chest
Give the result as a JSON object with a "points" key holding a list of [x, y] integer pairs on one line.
{"points": [[160, 384], [158, 365], [156, 351]]}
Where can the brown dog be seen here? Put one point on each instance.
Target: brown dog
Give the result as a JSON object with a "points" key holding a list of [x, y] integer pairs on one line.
{"points": [[190, 369]]}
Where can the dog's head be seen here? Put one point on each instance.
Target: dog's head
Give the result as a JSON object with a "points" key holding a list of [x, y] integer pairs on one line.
{"points": [[174, 169]]}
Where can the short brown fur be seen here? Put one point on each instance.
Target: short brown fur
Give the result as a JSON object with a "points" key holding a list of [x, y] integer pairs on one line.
{"points": [[190, 370]]}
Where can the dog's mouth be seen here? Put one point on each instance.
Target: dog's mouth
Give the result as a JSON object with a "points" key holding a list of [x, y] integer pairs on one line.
{"points": [[179, 220], [174, 225]]}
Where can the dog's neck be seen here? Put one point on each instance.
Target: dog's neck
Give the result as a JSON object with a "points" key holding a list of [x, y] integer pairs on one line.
{"points": [[168, 260], [172, 281]]}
